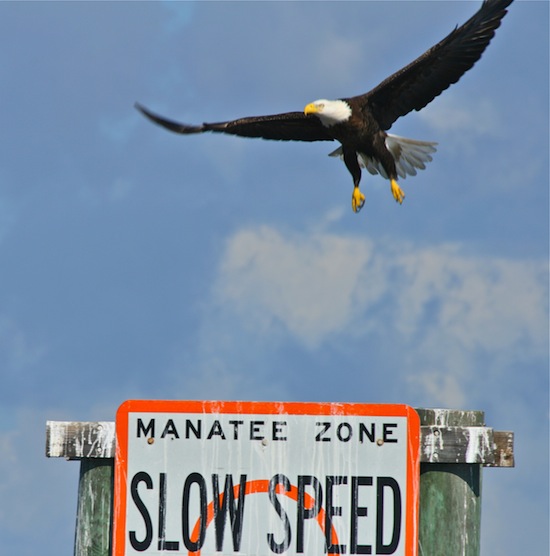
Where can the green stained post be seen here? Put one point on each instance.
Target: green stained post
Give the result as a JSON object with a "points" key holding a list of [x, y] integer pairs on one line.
{"points": [[95, 500], [450, 495]]}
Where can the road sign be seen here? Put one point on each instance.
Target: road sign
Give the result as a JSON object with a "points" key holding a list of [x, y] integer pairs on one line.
{"points": [[265, 478]]}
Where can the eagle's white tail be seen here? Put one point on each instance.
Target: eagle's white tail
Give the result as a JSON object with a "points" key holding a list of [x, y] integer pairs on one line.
{"points": [[409, 155]]}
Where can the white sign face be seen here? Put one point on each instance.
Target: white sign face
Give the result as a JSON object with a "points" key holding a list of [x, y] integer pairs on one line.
{"points": [[259, 478]]}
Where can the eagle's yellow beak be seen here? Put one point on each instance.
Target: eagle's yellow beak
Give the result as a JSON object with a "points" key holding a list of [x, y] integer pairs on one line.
{"points": [[310, 109]]}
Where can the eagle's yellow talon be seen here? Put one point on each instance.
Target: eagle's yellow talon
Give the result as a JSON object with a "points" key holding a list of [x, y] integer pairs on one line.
{"points": [[357, 199], [397, 192]]}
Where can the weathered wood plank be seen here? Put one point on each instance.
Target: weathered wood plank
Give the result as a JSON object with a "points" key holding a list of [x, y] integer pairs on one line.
{"points": [[439, 443], [457, 445], [451, 417], [504, 449], [77, 440]]}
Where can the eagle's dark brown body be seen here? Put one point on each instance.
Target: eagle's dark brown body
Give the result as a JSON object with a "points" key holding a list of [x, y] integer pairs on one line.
{"points": [[362, 134]]}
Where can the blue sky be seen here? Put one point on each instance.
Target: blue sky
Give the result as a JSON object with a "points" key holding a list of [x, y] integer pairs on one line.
{"points": [[135, 263]]}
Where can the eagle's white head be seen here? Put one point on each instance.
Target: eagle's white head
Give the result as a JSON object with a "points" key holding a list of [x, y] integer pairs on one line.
{"points": [[330, 112]]}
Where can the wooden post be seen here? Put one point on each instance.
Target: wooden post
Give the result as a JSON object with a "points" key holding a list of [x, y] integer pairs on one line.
{"points": [[95, 502], [93, 444], [450, 494]]}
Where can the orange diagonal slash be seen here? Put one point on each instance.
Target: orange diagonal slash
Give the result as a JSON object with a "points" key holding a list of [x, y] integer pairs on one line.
{"points": [[258, 487]]}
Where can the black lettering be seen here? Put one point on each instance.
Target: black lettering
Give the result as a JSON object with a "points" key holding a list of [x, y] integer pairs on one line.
{"points": [[163, 543], [387, 430], [221, 503], [146, 430], [390, 548], [318, 436], [141, 477], [279, 547], [344, 437], [170, 428], [216, 430], [190, 544], [364, 431], [277, 430], [308, 512], [358, 511], [190, 427], [236, 425], [255, 433], [331, 511]]}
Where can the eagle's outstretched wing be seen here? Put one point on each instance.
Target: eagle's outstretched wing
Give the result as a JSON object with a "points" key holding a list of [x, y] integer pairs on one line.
{"points": [[417, 84], [291, 126]]}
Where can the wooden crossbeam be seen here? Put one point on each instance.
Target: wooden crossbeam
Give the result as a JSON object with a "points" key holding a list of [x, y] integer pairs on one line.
{"points": [[438, 443]]}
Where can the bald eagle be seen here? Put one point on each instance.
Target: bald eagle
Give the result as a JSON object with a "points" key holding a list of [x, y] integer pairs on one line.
{"points": [[360, 123]]}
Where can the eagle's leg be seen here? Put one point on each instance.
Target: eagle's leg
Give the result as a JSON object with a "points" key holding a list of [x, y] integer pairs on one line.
{"points": [[396, 191], [352, 164]]}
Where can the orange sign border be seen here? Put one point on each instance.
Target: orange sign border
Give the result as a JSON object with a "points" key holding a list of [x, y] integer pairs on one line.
{"points": [[266, 408]]}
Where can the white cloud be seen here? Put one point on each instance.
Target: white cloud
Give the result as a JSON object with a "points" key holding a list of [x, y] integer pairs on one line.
{"points": [[311, 284], [445, 309], [320, 284], [487, 303], [444, 389]]}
